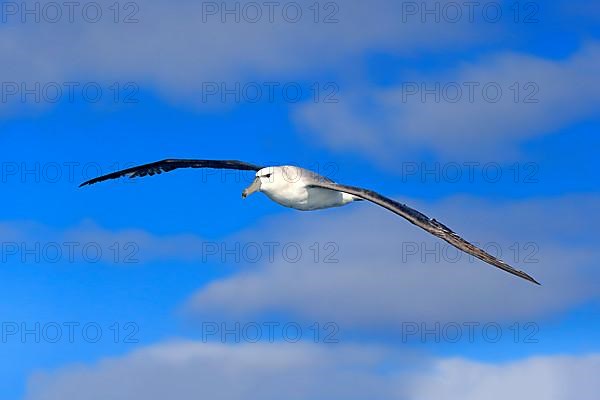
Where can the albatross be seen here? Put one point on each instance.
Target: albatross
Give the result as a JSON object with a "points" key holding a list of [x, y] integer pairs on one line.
{"points": [[304, 190]]}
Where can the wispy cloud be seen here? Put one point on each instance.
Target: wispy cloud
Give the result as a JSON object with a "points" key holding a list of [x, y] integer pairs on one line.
{"points": [[30, 243], [478, 110]]}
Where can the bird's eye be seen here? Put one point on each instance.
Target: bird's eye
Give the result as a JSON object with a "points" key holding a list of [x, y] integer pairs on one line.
{"points": [[268, 176]]}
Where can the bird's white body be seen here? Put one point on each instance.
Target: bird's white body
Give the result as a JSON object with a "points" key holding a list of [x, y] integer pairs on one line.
{"points": [[290, 187]]}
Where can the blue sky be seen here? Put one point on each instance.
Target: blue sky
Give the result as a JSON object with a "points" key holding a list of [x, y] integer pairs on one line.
{"points": [[516, 176]]}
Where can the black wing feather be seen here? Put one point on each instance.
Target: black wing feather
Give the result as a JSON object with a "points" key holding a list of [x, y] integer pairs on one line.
{"points": [[171, 164], [422, 221]]}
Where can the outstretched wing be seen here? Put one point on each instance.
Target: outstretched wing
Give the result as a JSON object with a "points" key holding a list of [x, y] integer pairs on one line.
{"points": [[422, 221], [169, 165]]}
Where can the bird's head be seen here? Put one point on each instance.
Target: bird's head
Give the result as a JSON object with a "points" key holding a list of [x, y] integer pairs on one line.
{"points": [[272, 179], [263, 180]]}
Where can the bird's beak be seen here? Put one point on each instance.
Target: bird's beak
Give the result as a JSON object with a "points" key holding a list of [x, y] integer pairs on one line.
{"points": [[254, 187]]}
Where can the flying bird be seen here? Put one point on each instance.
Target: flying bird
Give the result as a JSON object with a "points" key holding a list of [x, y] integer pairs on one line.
{"points": [[305, 190]]}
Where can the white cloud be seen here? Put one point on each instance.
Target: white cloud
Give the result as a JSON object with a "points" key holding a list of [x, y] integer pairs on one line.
{"points": [[172, 50], [465, 115], [378, 283], [191, 370], [551, 378]]}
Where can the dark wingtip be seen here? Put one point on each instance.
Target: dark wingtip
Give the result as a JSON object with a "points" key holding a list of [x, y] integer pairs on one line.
{"points": [[530, 278], [91, 182]]}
